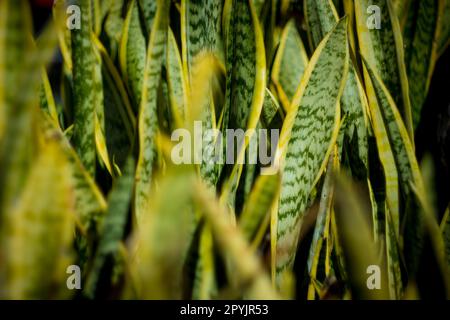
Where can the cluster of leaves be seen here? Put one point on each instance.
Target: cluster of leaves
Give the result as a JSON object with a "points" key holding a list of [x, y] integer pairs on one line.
{"points": [[86, 173]]}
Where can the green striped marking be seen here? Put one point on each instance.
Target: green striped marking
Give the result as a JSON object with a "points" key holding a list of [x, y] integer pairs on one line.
{"points": [[176, 80], [84, 89], [422, 54], [321, 16], [289, 64], [245, 83], [89, 201], [200, 30], [258, 204], [148, 122], [132, 54], [308, 134], [383, 49], [444, 27], [399, 141], [113, 225]]}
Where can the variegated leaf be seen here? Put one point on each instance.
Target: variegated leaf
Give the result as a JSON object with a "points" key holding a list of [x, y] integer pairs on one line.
{"points": [[147, 123], [113, 225], [308, 134], [382, 46], [321, 16], [132, 54], [84, 88], [289, 64]]}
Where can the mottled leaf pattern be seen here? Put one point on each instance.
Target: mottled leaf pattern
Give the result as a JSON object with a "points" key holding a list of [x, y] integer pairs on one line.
{"points": [[289, 64], [133, 53], [148, 125], [113, 226], [308, 133], [383, 48]]}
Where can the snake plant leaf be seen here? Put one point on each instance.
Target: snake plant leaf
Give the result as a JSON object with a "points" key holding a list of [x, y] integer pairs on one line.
{"points": [[245, 83], [383, 49], [271, 114], [402, 149], [84, 88], [422, 53], [307, 136], [205, 282], [436, 237], [114, 24], [258, 205], [444, 27], [44, 214], [89, 201], [200, 35], [159, 266], [19, 94], [250, 275], [402, 10], [321, 17], [148, 125], [47, 101], [99, 115], [245, 67], [132, 54], [116, 102], [200, 30], [359, 250], [322, 227], [289, 64], [393, 259], [408, 172], [176, 79], [113, 225], [148, 8], [445, 228]]}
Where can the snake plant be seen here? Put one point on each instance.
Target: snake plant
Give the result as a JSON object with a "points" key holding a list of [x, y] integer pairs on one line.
{"points": [[345, 208]]}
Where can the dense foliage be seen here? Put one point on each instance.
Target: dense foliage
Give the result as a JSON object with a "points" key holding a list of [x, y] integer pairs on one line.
{"points": [[87, 175]]}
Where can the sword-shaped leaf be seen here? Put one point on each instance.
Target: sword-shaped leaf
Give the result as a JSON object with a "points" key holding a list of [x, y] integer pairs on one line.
{"points": [[148, 8], [21, 65], [159, 269], [119, 121], [321, 17], [148, 121], [200, 31], [258, 204], [405, 160], [444, 26], [359, 250], [176, 79], [245, 84], [307, 137], [321, 230], [113, 225], [84, 88], [445, 228], [382, 46], [250, 276], [89, 201], [289, 64], [41, 229], [132, 54], [422, 53]]}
